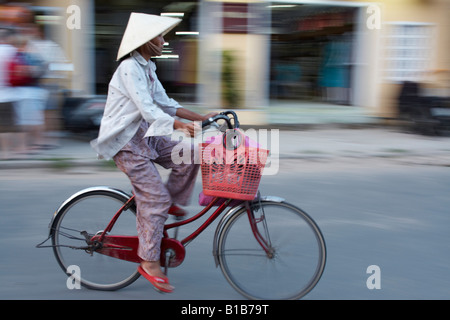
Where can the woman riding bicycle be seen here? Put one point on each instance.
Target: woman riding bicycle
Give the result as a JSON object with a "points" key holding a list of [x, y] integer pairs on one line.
{"points": [[134, 131]]}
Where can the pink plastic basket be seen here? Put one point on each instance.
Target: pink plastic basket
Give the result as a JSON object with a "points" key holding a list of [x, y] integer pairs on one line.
{"points": [[232, 173]]}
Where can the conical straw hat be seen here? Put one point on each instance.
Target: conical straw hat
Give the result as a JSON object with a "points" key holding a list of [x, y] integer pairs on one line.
{"points": [[142, 28]]}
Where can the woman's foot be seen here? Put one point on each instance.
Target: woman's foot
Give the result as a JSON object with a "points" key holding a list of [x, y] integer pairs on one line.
{"points": [[177, 211], [151, 270]]}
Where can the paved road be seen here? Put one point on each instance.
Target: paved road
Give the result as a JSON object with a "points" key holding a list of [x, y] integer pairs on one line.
{"points": [[372, 212]]}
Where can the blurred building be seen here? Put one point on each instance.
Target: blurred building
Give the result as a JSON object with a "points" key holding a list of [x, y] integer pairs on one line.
{"points": [[251, 54]]}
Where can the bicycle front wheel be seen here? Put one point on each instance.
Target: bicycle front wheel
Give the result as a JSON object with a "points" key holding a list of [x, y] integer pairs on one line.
{"points": [[83, 216], [295, 259]]}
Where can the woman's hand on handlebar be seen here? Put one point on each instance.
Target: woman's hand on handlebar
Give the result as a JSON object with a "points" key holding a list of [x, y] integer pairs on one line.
{"points": [[209, 115], [189, 128]]}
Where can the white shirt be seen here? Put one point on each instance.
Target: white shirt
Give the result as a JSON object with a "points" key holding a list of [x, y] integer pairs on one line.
{"points": [[134, 94]]}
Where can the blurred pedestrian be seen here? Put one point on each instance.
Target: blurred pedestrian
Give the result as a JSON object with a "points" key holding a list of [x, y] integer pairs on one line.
{"points": [[134, 131], [7, 97], [25, 70], [55, 59]]}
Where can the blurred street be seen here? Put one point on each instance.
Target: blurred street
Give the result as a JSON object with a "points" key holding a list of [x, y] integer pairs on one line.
{"points": [[379, 194], [352, 99], [320, 142], [384, 211]]}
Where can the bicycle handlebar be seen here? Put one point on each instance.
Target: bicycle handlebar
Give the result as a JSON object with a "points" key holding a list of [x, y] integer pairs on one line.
{"points": [[223, 116], [231, 139]]}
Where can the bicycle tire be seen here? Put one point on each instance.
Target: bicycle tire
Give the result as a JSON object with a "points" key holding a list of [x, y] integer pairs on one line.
{"points": [[86, 211], [299, 253]]}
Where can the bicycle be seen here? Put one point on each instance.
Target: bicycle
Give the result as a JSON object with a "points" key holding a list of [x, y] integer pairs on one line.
{"points": [[266, 247]]}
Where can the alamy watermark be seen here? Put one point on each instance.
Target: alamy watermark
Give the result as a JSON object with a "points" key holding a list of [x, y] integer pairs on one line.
{"points": [[73, 21], [373, 21], [73, 281], [374, 280]]}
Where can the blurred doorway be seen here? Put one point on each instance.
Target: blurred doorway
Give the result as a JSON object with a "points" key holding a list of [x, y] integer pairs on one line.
{"points": [[313, 52]]}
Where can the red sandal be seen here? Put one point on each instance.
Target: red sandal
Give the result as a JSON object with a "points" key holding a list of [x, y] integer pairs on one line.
{"points": [[177, 211], [155, 281]]}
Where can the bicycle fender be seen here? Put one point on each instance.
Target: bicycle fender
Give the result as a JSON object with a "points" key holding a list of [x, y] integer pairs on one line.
{"points": [[80, 193]]}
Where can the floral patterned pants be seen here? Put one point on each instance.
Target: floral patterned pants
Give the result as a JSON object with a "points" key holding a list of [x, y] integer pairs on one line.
{"points": [[154, 197]]}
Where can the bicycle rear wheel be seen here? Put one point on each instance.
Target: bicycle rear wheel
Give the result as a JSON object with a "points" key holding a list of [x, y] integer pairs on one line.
{"points": [[89, 212], [296, 259]]}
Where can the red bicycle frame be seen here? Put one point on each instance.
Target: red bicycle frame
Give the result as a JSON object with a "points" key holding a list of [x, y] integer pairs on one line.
{"points": [[125, 247], [200, 229]]}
